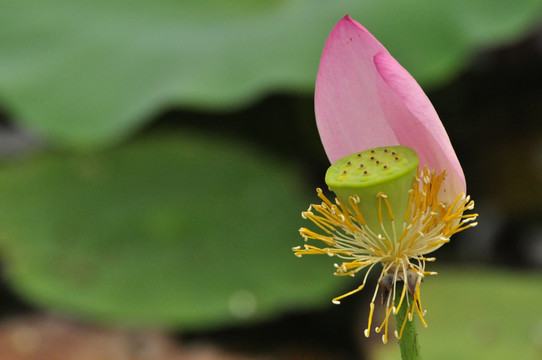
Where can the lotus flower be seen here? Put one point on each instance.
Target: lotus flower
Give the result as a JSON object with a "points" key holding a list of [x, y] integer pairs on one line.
{"points": [[399, 185]]}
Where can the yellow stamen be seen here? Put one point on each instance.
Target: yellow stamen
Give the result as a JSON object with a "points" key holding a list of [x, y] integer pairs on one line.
{"points": [[367, 331]]}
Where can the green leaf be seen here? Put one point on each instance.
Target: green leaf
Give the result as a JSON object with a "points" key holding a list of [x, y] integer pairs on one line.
{"points": [[173, 231], [87, 73], [476, 313]]}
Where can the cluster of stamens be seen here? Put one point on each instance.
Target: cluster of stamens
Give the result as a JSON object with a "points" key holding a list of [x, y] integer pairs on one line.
{"points": [[427, 225]]}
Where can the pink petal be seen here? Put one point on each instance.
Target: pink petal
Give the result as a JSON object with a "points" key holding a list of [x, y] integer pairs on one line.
{"points": [[364, 98], [348, 111], [415, 122]]}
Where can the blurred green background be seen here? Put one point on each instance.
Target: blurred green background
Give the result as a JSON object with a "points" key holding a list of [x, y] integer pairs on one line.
{"points": [[156, 156]]}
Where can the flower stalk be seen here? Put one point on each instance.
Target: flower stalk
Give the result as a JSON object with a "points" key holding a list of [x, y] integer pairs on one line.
{"points": [[408, 342]]}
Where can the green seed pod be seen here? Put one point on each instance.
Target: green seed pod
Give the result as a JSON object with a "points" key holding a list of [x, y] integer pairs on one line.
{"points": [[389, 170]]}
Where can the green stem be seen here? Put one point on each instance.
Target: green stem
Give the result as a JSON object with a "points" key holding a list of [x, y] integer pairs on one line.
{"points": [[410, 348]]}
